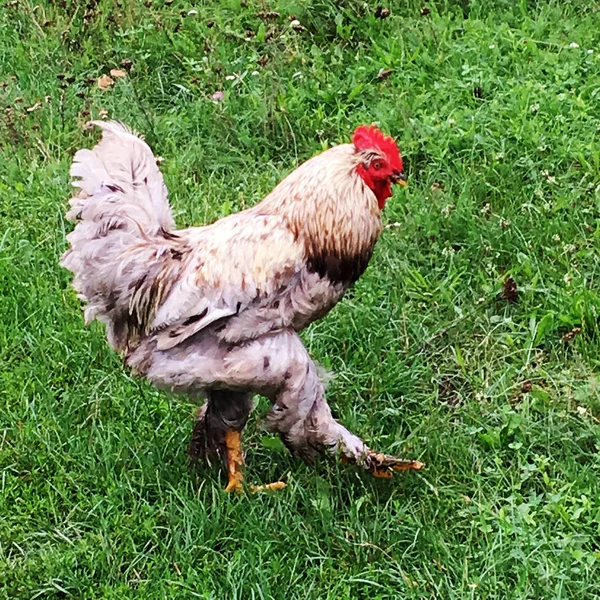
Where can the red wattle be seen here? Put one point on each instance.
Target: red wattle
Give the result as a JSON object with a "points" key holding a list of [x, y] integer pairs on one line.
{"points": [[382, 188]]}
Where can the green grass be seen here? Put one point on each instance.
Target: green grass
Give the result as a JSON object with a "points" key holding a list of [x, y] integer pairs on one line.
{"points": [[496, 106]]}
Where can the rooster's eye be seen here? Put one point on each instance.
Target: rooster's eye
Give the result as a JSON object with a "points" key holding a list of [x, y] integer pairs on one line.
{"points": [[377, 165]]}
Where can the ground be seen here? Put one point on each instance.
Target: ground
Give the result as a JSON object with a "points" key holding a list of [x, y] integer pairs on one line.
{"points": [[471, 343]]}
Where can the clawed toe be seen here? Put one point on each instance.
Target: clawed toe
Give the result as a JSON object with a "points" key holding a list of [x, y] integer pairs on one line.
{"points": [[384, 465], [268, 487], [234, 486]]}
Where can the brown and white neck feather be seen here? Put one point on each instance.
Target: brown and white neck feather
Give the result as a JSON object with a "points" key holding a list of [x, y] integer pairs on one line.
{"points": [[331, 211]]}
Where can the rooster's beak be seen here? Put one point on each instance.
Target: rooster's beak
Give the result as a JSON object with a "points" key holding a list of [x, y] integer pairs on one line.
{"points": [[398, 178]]}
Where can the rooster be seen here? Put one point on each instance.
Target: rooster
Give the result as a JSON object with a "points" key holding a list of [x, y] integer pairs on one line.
{"points": [[216, 310]]}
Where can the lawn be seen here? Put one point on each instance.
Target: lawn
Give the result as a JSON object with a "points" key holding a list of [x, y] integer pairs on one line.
{"points": [[471, 343]]}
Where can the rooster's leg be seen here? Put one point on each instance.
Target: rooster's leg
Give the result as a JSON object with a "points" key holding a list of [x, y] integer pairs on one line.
{"points": [[235, 460], [304, 421], [218, 432]]}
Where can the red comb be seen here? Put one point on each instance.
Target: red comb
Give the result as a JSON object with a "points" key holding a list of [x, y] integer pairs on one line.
{"points": [[368, 136]]}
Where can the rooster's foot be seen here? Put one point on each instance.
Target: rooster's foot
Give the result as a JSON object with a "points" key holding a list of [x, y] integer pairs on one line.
{"points": [[269, 487], [384, 465]]}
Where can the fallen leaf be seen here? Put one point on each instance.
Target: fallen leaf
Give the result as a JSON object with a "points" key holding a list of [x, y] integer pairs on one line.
{"points": [[447, 393], [510, 292], [117, 73], [571, 334], [382, 13], [384, 74], [267, 14], [105, 82]]}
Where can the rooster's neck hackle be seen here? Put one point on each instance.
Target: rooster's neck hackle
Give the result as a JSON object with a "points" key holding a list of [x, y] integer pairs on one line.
{"points": [[332, 212]]}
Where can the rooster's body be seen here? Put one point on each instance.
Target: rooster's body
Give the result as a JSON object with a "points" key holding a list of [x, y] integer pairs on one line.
{"points": [[217, 309]]}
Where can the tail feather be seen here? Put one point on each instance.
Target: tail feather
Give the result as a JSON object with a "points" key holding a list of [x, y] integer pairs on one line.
{"points": [[122, 214], [121, 164], [89, 169]]}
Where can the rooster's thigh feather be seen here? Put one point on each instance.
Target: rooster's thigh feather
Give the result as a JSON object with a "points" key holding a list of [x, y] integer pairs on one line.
{"points": [[301, 416], [276, 365]]}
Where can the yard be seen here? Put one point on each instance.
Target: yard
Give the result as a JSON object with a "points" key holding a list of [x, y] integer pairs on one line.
{"points": [[471, 343]]}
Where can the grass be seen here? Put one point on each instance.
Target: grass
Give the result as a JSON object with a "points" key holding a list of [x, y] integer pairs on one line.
{"points": [[496, 106]]}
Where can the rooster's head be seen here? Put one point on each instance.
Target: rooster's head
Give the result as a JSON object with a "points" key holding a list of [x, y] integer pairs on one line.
{"points": [[380, 161]]}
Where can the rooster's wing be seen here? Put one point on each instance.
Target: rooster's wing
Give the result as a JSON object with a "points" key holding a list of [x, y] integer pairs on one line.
{"points": [[222, 270]]}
